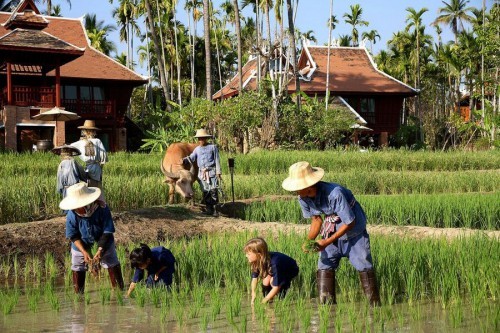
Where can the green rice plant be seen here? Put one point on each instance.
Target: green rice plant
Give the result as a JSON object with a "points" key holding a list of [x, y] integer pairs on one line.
{"points": [[53, 300], [86, 297], [119, 298], [105, 294], [243, 324], [140, 294], [324, 313], [204, 321], [9, 300], [33, 297]]}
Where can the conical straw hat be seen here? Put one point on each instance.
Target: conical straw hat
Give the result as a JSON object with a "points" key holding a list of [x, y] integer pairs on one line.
{"points": [[79, 195], [73, 150], [301, 175]]}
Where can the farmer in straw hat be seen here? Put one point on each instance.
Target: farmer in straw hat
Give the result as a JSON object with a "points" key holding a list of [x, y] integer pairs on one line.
{"points": [[69, 172], [343, 229], [209, 172], [89, 221], [93, 153]]}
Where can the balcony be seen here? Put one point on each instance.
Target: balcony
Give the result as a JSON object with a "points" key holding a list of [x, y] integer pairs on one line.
{"points": [[44, 97]]}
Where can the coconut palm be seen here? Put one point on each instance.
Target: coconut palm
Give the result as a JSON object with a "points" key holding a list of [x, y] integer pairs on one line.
{"points": [[354, 19], [309, 35], [97, 33], [371, 36], [193, 7], [49, 5], [291, 36], [125, 15], [208, 62], [454, 14], [344, 40], [237, 28]]}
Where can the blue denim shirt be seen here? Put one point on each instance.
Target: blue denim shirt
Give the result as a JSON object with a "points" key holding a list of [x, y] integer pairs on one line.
{"points": [[334, 199], [207, 157], [89, 229], [283, 269], [161, 257]]}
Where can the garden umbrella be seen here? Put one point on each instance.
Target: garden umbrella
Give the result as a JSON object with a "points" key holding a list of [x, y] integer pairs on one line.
{"points": [[56, 114]]}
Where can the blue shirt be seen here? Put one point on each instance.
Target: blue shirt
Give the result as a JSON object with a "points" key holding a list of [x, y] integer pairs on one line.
{"points": [[207, 157], [89, 229], [162, 257], [69, 173], [333, 199], [283, 269]]}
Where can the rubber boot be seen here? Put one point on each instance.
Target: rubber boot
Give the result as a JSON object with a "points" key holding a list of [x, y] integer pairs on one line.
{"points": [[325, 279], [79, 281], [369, 284], [266, 290], [115, 276]]}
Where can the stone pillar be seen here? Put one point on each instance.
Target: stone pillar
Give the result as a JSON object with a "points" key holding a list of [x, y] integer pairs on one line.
{"points": [[121, 139], [10, 122], [383, 140]]}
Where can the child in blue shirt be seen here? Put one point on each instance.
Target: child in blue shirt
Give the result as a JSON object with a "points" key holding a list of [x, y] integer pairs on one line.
{"points": [[276, 269], [159, 263]]}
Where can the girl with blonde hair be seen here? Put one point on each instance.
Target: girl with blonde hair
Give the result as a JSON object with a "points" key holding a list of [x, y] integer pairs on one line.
{"points": [[276, 269]]}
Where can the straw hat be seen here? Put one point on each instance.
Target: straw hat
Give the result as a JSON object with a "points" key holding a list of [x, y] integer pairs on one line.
{"points": [[79, 195], [202, 133], [301, 175], [89, 124], [73, 151]]}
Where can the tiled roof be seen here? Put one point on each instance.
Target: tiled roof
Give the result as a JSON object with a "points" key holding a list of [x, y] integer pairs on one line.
{"points": [[249, 82], [35, 40], [93, 64], [351, 71]]}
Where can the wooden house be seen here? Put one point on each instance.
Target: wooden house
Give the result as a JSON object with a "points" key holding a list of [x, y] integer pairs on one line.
{"points": [[376, 97], [47, 62]]}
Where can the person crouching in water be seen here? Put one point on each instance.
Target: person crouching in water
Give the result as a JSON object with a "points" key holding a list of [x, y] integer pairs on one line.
{"points": [[276, 269], [158, 261], [209, 172], [88, 220], [69, 172]]}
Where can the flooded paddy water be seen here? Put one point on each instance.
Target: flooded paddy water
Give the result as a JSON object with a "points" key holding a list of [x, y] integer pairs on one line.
{"points": [[426, 285]]}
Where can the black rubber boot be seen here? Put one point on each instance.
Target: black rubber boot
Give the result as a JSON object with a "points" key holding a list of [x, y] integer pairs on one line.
{"points": [[326, 286], [266, 290], [115, 276], [369, 284], [79, 281]]}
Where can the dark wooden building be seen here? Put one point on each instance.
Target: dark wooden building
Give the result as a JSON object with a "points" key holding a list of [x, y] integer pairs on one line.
{"points": [[374, 95], [48, 61]]}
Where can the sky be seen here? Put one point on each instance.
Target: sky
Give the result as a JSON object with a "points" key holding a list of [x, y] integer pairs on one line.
{"points": [[385, 16]]}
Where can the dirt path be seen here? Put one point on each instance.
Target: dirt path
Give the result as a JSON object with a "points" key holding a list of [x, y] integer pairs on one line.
{"points": [[158, 223]]}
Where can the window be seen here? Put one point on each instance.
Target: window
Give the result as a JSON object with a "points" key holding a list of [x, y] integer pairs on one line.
{"points": [[367, 109], [98, 93], [69, 92], [85, 93]]}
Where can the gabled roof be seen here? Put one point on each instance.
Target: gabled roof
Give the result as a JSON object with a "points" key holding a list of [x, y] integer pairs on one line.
{"points": [[352, 71], [22, 39], [92, 64], [249, 72]]}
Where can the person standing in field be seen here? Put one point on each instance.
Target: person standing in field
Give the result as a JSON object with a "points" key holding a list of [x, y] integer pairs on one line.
{"points": [[159, 263], [89, 221], [275, 269], [209, 172], [69, 172], [343, 229], [93, 153]]}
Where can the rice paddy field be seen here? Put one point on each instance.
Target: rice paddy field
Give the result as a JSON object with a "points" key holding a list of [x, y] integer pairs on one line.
{"points": [[426, 284]]}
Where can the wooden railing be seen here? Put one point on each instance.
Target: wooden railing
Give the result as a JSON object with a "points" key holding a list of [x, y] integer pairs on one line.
{"points": [[89, 107]]}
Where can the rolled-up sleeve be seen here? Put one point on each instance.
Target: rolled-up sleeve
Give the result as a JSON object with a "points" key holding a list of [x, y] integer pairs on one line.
{"points": [[109, 226], [72, 230], [341, 207]]}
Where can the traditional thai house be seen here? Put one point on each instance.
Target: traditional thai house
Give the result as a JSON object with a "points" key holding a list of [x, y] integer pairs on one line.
{"points": [[373, 96], [47, 62]]}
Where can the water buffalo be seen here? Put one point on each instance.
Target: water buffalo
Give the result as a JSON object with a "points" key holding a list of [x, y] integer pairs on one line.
{"points": [[180, 178]]}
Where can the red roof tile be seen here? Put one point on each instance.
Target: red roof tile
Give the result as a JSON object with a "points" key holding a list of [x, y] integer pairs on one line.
{"points": [[352, 71], [249, 83], [93, 64]]}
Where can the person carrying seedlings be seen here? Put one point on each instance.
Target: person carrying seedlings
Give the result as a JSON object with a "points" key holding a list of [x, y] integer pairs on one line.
{"points": [[158, 261], [69, 172], [276, 269], [89, 221], [209, 172], [343, 229], [92, 153]]}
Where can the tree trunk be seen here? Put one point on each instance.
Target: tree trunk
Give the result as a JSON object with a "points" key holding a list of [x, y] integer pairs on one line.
{"points": [[291, 32], [159, 57], [179, 94], [238, 37], [208, 63]]}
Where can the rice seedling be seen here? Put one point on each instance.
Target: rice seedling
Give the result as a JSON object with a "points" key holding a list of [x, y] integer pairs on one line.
{"points": [[204, 322], [140, 294], [104, 294], [9, 300], [33, 297]]}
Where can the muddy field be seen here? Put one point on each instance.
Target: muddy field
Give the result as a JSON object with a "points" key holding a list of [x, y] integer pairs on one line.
{"points": [[156, 224]]}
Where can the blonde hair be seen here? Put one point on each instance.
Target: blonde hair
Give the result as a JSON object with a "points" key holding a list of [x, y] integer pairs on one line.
{"points": [[262, 265]]}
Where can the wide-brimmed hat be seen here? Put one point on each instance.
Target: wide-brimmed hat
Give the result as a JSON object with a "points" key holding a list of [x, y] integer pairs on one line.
{"points": [[302, 175], [73, 151], [89, 124], [202, 133], [79, 195]]}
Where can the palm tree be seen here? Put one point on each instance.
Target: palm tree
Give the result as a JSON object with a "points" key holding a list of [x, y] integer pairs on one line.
{"points": [[454, 14], [98, 32], [193, 6], [344, 40], [237, 27], [49, 5], [309, 35], [414, 19], [208, 62], [125, 16], [291, 36], [331, 25], [371, 36], [354, 19]]}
